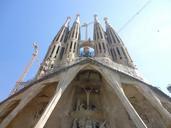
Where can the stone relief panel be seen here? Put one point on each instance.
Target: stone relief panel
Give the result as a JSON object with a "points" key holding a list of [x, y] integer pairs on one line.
{"points": [[88, 112]]}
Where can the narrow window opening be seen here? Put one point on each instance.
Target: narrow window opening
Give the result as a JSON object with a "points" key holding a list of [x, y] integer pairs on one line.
{"points": [[52, 51], [66, 35], [114, 52], [96, 48], [118, 51], [74, 46], [104, 46], [61, 53], [70, 46], [100, 47], [73, 32], [66, 48], [57, 51], [97, 35], [76, 34]]}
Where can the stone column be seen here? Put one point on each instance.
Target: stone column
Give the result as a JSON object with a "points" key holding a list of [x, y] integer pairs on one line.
{"points": [[155, 102], [112, 81], [66, 79]]}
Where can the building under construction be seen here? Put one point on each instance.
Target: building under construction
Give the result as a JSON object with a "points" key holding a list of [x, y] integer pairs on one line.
{"points": [[86, 84]]}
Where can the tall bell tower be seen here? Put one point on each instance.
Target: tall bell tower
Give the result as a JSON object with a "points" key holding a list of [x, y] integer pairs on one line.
{"points": [[86, 84]]}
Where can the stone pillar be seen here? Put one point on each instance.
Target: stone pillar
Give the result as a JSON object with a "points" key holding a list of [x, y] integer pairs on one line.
{"points": [[153, 99], [66, 79], [112, 81]]}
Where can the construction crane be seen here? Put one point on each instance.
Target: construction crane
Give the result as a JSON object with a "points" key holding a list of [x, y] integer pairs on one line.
{"points": [[86, 29], [26, 70], [134, 16], [124, 25]]}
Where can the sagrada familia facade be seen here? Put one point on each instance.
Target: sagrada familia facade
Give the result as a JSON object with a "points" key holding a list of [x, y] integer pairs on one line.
{"points": [[86, 84]]}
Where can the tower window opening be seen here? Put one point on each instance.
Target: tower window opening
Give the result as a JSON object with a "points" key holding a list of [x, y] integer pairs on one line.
{"points": [[100, 48], [70, 48], [96, 48], [74, 46], [104, 46], [118, 51], [94, 36], [52, 51], [114, 53], [73, 32], [97, 35], [61, 53], [57, 51], [76, 35], [66, 35]]}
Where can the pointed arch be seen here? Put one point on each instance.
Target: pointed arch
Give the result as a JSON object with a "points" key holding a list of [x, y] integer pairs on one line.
{"points": [[33, 110], [11, 106], [144, 108]]}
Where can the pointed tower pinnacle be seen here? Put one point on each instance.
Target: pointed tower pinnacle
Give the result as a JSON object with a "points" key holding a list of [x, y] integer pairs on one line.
{"points": [[118, 50], [96, 18], [106, 21], [72, 41], [77, 18], [66, 24], [56, 49], [101, 46]]}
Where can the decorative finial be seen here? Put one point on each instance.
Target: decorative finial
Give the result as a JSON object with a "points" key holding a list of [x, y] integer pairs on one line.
{"points": [[67, 21], [106, 19], [96, 18], [78, 18], [78, 14], [106, 22]]}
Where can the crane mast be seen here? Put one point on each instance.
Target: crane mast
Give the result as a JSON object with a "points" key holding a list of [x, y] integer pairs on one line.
{"points": [[26, 70]]}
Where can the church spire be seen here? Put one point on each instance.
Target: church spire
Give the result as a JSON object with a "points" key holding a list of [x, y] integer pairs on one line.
{"points": [[73, 40], [56, 49], [101, 46], [118, 50]]}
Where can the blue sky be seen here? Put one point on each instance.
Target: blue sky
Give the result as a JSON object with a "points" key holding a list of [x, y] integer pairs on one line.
{"points": [[147, 37]]}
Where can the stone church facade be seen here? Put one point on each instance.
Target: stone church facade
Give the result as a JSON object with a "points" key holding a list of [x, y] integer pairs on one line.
{"points": [[86, 84]]}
